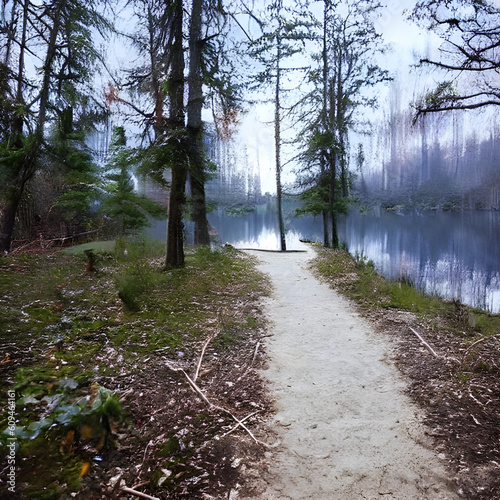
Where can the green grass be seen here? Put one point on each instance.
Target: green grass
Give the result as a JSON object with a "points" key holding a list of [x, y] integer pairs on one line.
{"points": [[356, 278], [69, 321], [96, 246]]}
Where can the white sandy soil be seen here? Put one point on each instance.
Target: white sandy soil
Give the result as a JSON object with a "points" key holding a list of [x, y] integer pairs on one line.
{"points": [[347, 429]]}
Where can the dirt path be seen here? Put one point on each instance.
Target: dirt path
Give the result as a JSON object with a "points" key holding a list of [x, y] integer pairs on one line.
{"points": [[347, 429]]}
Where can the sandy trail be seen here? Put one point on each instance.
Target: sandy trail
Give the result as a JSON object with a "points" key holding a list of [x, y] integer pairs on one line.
{"points": [[347, 429]]}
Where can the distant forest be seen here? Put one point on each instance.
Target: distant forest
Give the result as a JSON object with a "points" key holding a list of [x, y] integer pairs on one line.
{"points": [[170, 81], [433, 164]]}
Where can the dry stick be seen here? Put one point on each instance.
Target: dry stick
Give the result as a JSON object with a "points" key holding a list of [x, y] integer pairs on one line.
{"points": [[425, 343], [138, 493], [254, 354], [145, 451], [220, 408], [199, 391], [251, 364], [202, 354], [474, 398], [478, 342], [237, 425]]}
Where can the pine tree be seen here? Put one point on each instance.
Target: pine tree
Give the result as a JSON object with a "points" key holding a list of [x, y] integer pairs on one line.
{"points": [[344, 69], [74, 175], [127, 209], [53, 40], [284, 33]]}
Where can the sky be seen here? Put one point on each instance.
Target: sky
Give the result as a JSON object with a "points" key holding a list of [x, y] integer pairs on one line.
{"points": [[405, 39], [256, 132]]}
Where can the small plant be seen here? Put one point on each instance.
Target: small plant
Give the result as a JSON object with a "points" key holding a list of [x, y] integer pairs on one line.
{"points": [[132, 283]]}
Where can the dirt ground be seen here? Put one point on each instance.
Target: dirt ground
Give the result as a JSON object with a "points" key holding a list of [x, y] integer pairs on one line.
{"points": [[347, 429], [346, 404]]}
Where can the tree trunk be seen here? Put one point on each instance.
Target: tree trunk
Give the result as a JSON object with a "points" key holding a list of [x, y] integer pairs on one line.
{"points": [[335, 236], [26, 168], [324, 116], [194, 124], [341, 129], [175, 226], [326, 238], [277, 140], [8, 219]]}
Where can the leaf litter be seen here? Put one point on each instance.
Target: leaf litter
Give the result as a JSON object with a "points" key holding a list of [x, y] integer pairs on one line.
{"points": [[188, 404]]}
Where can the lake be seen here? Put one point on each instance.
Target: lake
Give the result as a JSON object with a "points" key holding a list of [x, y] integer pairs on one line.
{"points": [[454, 255]]}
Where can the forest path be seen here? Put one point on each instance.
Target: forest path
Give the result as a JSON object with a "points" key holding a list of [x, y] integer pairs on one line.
{"points": [[347, 429]]}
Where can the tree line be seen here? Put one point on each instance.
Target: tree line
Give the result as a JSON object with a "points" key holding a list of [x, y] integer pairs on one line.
{"points": [[315, 63]]}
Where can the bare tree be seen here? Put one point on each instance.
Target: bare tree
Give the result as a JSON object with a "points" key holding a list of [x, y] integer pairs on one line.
{"points": [[470, 53]]}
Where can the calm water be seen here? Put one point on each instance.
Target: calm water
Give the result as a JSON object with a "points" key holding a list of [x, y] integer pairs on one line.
{"points": [[454, 255]]}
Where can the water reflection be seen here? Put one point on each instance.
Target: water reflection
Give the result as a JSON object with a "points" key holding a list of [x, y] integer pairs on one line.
{"points": [[453, 255], [257, 229]]}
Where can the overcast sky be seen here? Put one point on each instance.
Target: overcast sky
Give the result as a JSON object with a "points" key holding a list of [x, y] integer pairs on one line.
{"points": [[407, 42]]}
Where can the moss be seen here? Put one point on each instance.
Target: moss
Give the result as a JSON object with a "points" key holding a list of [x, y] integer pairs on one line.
{"points": [[75, 328]]}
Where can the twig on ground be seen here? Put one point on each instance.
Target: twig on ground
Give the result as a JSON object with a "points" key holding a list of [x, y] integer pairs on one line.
{"points": [[474, 398], [220, 408], [138, 493], [482, 339], [475, 420], [255, 354], [251, 364], [425, 343], [237, 425], [203, 353], [145, 451]]}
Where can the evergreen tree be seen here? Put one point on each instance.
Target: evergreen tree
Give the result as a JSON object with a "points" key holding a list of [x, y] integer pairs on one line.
{"points": [[344, 70], [157, 98], [74, 176], [284, 32], [127, 209], [53, 40]]}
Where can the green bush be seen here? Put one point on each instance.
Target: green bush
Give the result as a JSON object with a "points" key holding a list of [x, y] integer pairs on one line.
{"points": [[132, 283]]}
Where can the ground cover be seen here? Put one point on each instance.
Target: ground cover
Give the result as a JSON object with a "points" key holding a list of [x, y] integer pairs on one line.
{"points": [[98, 361]]}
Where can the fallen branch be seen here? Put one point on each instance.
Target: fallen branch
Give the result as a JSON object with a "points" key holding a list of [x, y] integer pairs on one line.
{"points": [[220, 408], [138, 493], [203, 353], [425, 343], [237, 425]]}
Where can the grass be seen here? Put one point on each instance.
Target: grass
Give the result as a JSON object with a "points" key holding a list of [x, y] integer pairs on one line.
{"points": [[96, 246], [75, 325], [356, 278]]}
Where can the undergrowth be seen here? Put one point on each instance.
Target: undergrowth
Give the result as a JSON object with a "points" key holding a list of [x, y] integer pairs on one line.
{"points": [[357, 278], [69, 334]]}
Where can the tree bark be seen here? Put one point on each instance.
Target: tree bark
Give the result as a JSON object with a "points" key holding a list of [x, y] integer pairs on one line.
{"points": [[175, 226], [277, 136], [194, 124]]}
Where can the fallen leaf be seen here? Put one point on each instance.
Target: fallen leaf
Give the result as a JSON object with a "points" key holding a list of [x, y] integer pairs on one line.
{"points": [[85, 469]]}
